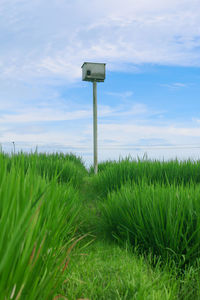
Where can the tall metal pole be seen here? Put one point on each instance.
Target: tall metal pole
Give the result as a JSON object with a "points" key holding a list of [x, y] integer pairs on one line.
{"points": [[95, 126]]}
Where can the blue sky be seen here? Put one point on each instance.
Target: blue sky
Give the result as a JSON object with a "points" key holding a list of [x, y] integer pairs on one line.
{"points": [[149, 102]]}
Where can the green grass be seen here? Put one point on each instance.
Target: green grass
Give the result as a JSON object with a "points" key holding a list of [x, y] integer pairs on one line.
{"points": [[107, 271], [130, 232]]}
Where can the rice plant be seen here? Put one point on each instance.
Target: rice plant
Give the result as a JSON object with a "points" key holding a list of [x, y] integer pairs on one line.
{"points": [[67, 168], [164, 220], [38, 221], [113, 175]]}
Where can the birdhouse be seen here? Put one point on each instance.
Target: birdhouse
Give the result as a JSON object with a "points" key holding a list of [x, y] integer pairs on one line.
{"points": [[93, 72]]}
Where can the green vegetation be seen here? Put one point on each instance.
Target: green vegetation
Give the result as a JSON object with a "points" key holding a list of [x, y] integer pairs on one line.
{"points": [[130, 232], [164, 220], [107, 271], [38, 220], [66, 168], [113, 175]]}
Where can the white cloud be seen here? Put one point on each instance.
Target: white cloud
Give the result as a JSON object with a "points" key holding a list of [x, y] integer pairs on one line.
{"points": [[53, 38], [114, 135]]}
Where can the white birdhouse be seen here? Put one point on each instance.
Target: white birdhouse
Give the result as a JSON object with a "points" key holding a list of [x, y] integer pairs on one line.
{"points": [[93, 72]]}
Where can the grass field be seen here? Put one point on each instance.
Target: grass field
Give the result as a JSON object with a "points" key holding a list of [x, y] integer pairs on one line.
{"points": [[130, 232]]}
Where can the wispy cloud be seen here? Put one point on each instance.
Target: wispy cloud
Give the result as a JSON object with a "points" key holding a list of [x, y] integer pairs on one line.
{"points": [[62, 112], [195, 120], [40, 123], [43, 115], [175, 85], [125, 94]]}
